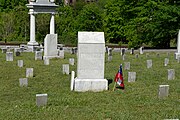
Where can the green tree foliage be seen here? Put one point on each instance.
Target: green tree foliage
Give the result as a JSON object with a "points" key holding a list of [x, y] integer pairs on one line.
{"points": [[153, 22]]}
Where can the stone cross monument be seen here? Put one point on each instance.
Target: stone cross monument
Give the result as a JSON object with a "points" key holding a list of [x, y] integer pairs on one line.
{"points": [[40, 6]]}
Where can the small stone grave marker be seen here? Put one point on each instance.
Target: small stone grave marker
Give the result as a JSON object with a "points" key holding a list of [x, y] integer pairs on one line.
{"points": [[122, 51], [171, 74], [149, 63], [109, 54], [66, 69], [72, 80], [131, 76], [71, 61], [46, 61], [141, 50], [23, 82], [41, 99], [9, 56], [136, 56], [29, 72], [61, 54], [163, 91], [127, 66], [4, 50], [132, 51], [38, 55], [17, 51], [20, 63], [166, 61]]}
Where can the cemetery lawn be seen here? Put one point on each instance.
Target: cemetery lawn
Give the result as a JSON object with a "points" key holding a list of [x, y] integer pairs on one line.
{"points": [[139, 100]]}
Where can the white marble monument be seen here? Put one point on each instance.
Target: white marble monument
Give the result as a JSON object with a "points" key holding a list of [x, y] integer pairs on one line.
{"points": [[90, 62], [36, 7], [50, 46], [178, 45]]}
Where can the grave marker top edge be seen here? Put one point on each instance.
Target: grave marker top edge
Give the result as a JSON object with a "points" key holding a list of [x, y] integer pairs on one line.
{"points": [[91, 37]]}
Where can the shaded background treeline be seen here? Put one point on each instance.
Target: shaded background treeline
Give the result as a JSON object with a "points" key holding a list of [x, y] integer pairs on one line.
{"points": [[133, 22]]}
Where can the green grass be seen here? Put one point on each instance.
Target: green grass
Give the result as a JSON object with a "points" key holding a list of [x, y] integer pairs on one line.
{"points": [[139, 100]]}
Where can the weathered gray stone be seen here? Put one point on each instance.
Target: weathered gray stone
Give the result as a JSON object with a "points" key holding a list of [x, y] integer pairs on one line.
{"points": [[72, 80], [29, 72], [171, 74], [166, 61], [66, 69], [149, 63], [23, 82], [20, 63], [38, 55], [163, 91], [127, 65], [90, 67], [9, 56], [109, 54], [71, 61], [41, 99], [131, 76]]}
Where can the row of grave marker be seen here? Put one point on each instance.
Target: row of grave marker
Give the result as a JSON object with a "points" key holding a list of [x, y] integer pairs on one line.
{"points": [[41, 99]]}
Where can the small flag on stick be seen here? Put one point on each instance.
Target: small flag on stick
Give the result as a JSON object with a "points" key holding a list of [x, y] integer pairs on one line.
{"points": [[119, 78]]}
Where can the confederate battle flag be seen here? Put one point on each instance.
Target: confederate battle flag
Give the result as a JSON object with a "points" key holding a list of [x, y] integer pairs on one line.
{"points": [[119, 78]]}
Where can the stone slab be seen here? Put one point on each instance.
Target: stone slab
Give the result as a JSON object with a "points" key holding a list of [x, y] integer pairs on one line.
{"points": [[149, 63], [163, 91], [20, 63], [29, 72], [38, 55], [50, 46], [66, 69], [9, 56], [23, 82], [95, 85], [171, 74], [131, 76], [41, 99]]}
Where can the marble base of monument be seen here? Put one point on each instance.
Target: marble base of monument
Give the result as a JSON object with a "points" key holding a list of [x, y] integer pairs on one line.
{"points": [[95, 85]]}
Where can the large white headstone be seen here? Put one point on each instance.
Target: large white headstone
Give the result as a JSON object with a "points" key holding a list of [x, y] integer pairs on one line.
{"points": [[178, 45], [50, 46], [90, 62]]}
